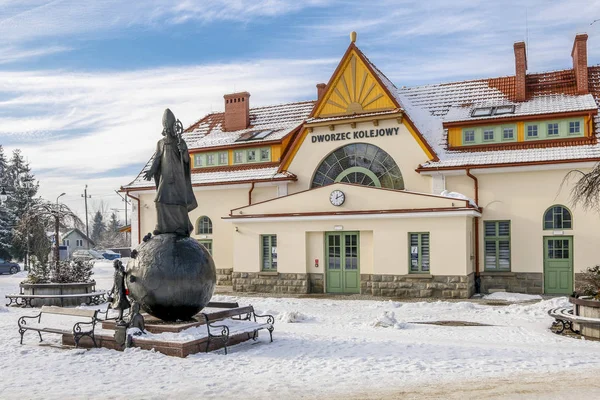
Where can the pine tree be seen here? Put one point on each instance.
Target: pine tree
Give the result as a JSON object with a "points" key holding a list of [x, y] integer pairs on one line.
{"points": [[113, 224], [98, 227], [21, 188], [7, 217]]}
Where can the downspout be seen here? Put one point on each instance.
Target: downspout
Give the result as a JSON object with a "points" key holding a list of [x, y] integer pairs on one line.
{"points": [[139, 223], [476, 189], [250, 194]]}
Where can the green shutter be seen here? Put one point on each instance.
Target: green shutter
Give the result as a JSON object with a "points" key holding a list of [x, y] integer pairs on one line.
{"points": [[497, 245], [268, 252], [418, 253]]}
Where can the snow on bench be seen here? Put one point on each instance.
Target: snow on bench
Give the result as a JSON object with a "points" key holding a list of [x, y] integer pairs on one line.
{"points": [[69, 322]]}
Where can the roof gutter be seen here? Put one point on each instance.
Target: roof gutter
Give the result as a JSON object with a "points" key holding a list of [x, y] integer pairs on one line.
{"points": [[476, 231], [138, 215]]}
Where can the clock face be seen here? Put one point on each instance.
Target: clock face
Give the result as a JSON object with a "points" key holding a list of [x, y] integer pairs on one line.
{"points": [[337, 197]]}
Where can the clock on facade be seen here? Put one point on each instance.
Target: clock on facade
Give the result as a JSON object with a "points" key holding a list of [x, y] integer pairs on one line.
{"points": [[337, 197]]}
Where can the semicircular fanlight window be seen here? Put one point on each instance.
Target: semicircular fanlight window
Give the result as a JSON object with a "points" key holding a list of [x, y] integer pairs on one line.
{"points": [[359, 163]]}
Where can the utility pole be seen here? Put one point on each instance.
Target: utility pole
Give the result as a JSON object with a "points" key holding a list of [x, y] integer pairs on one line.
{"points": [[87, 228]]}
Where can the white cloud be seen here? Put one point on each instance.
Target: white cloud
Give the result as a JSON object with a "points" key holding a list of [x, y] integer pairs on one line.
{"points": [[87, 124], [33, 19]]}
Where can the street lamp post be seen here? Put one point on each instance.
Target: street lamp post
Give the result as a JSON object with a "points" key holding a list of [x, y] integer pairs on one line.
{"points": [[56, 226]]}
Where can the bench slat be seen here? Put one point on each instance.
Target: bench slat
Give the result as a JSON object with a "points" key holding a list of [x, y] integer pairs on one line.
{"points": [[228, 313], [76, 312], [54, 296]]}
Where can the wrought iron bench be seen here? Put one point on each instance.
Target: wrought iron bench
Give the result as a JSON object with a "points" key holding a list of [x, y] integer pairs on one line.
{"points": [[24, 300], [241, 320], [565, 319], [47, 325]]}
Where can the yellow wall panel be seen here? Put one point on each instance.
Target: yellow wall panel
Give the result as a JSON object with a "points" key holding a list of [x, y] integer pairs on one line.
{"points": [[354, 90], [454, 137]]}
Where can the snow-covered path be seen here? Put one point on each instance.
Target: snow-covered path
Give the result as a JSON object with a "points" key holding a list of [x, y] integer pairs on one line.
{"points": [[333, 350]]}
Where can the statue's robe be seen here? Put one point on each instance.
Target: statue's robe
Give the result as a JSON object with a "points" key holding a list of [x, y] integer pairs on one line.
{"points": [[118, 292], [174, 195]]}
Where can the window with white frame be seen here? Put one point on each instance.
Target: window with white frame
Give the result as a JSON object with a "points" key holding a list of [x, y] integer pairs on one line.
{"points": [[223, 158], [265, 154], [552, 129], [532, 131], [204, 226], [210, 159], [508, 133], [238, 156], [488, 134], [469, 136], [574, 127], [79, 242]]}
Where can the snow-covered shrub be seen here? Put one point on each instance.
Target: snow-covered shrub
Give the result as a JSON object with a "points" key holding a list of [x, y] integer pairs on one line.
{"points": [[38, 273], [591, 282], [71, 271], [65, 272]]}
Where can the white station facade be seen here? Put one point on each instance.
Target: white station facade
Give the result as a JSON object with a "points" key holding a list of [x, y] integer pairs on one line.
{"points": [[430, 191]]}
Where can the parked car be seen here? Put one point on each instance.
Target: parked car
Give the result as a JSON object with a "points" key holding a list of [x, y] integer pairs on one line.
{"points": [[86, 255], [7, 267], [110, 255]]}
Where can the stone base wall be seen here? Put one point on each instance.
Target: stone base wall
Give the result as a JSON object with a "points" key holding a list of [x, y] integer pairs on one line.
{"points": [[517, 282], [418, 286], [224, 276], [269, 282], [317, 283]]}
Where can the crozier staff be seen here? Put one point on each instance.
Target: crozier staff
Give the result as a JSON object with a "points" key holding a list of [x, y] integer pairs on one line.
{"points": [[171, 172]]}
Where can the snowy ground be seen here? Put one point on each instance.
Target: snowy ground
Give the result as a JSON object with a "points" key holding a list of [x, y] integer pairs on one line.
{"points": [[323, 348]]}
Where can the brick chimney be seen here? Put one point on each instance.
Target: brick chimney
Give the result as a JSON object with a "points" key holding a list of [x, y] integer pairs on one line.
{"points": [[320, 90], [580, 66], [237, 111], [520, 71]]}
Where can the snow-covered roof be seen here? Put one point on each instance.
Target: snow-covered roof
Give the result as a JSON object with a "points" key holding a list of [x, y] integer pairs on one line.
{"points": [[549, 104], [428, 107], [549, 92], [282, 119], [239, 175]]}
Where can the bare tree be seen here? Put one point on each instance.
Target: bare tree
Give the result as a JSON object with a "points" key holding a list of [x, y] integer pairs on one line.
{"points": [[586, 191], [60, 214]]}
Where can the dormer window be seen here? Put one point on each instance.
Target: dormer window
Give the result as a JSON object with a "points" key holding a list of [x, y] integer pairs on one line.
{"points": [[469, 136], [553, 129], [574, 128], [532, 131], [488, 134]]}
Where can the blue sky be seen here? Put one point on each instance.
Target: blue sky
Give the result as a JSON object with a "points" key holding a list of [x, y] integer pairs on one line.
{"points": [[83, 83]]}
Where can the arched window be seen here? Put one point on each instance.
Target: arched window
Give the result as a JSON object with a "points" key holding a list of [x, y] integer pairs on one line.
{"points": [[558, 217], [360, 163], [204, 226]]}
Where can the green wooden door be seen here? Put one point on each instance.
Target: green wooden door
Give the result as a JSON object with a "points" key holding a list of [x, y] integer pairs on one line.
{"points": [[342, 262], [558, 265]]}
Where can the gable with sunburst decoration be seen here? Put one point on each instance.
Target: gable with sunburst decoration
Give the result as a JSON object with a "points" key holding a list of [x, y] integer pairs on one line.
{"points": [[353, 90]]}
